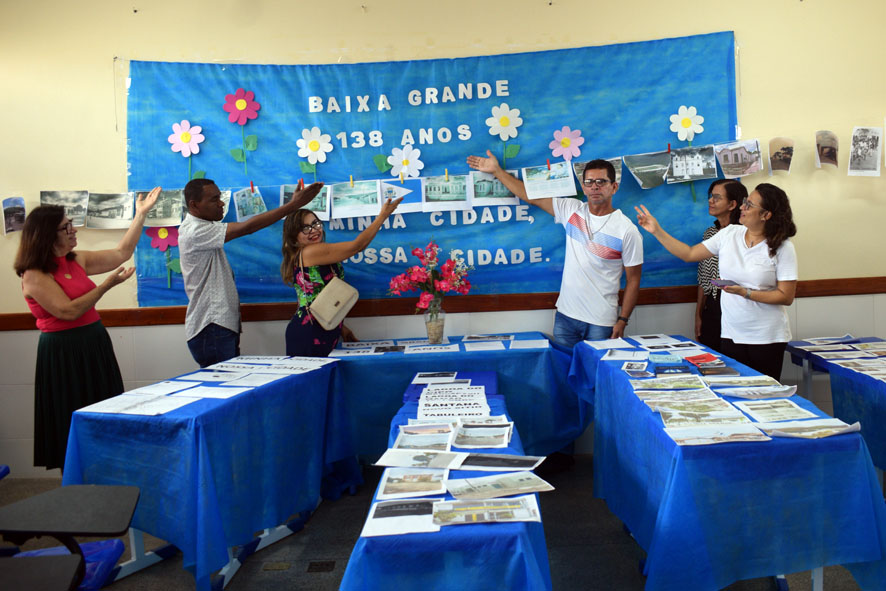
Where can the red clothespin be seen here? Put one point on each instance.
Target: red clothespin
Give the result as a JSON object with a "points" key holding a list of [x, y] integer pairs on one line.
{"points": [[669, 148], [251, 186], [549, 164]]}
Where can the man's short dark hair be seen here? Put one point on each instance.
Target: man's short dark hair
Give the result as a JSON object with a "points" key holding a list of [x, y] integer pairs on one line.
{"points": [[194, 190], [598, 164]]}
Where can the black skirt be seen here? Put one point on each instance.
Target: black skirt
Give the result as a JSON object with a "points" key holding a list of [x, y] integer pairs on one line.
{"points": [[75, 368]]}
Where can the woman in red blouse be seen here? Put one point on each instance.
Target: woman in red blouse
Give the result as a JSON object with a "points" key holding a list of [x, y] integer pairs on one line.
{"points": [[76, 365]]}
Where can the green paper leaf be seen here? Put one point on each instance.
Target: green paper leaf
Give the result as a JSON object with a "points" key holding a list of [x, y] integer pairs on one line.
{"points": [[251, 142], [512, 150], [174, 265], [306, 167], [381, 162], [238, 155], [200, 174]]}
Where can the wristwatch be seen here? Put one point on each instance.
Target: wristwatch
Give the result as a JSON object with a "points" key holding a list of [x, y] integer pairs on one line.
{"points": [[623, 319], [747, 293]]}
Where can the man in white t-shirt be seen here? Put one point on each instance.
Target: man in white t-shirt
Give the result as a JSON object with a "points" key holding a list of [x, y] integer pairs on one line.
{"points": [[600, 242]]}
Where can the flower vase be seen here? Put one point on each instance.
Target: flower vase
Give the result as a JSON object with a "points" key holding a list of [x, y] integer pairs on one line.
{"points": [[435, 318]]}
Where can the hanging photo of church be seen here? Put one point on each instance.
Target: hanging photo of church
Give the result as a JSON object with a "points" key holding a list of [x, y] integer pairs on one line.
{"points": [[692, 164]]}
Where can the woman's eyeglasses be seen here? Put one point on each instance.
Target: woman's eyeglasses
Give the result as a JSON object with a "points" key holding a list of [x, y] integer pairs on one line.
{"points": [[748, 204], [317, 225], [67, 228]]}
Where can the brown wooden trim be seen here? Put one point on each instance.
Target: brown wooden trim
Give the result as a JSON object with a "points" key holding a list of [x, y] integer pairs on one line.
{"points": [[470, 303]]}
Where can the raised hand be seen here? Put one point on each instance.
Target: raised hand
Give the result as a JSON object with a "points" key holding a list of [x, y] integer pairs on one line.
{"points": [[144, 203], [303, 196], [119, 276], [388, 207], [646, 220], [489, 164]]}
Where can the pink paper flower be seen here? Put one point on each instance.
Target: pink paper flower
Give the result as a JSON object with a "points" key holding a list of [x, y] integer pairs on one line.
{"points": [[566, 143], [186, 138], [424, 300], [163, 238], [241, 106]]}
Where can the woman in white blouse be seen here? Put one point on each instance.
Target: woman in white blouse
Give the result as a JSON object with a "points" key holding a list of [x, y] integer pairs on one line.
{"points": [[758, 261]]}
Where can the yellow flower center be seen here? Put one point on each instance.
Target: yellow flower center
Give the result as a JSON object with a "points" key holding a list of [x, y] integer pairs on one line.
{"points": [[686, 122], [565, 142], [314, 146], [163, 233], [504, 121], [405, 162], [240, 104], [185, 137]]}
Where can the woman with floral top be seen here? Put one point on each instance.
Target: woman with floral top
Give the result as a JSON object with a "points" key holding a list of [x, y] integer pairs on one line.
{"points": [[309, 263]]}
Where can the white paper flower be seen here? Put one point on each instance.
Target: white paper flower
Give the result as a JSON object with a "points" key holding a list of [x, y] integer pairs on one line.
{"points": [[687, 122], [504, 122], [314, 145], [405, 160]]}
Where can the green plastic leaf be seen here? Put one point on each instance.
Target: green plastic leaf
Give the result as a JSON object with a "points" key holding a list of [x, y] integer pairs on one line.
{"points": [[200, 174], [238, 155], [306, 167], [174, 265], [251, 142], [381, 162], [512, 150]]}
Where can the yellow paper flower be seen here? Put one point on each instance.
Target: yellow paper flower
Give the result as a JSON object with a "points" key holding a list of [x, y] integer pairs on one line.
{"points": [[686, 123]]}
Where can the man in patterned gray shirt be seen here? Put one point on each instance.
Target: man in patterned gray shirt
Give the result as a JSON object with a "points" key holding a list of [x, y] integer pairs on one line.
{"points": [[212, 322]]}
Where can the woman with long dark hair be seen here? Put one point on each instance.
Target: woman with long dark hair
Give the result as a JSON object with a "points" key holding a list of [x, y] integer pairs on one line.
{"points": [[758, 261], [76, 365], [724, 203]]}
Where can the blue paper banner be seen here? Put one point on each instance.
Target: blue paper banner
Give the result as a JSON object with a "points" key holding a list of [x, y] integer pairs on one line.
{"points": [[619, 96]]}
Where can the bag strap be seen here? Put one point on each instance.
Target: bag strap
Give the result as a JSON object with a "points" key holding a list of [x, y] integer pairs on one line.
{"points": [[302, 269]]}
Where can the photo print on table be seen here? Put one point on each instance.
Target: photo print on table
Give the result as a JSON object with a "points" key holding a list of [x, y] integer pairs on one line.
{"points": [[74, 202], [110, 210]]}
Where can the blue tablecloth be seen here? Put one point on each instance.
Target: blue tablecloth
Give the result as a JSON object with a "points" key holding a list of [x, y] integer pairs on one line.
{"points": [[544, 408], [510, 556], [214, 472], [711, 515]]}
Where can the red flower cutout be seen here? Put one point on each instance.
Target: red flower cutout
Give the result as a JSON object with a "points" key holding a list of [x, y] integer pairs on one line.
{"points": [[163, 238], [241, 106]]}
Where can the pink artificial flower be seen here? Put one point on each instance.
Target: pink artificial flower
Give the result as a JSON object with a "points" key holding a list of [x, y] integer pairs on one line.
{"points": [[186, 139], [241, 106], [464, 288], [447, 268], [442, 286], [418, 252], [566, 143], [418, 274], [425, 300], [163, 238]]}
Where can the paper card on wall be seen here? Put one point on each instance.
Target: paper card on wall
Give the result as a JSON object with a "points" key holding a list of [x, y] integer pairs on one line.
{"points": [[650, 169], [410, 190], [692, 164], [827, 146], [168, 209], [74, 202], [440, 193], [554, 181], [110, 210], [579, 168], [319, 204], [363, 199], [13, 214], [738, 159], [781, 153], [248, 203], [488, 190], [864, 152]]}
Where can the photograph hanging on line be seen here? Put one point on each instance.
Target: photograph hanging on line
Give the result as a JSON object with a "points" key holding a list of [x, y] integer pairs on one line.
{"points": [[579, 168], [489, 191], [74, 202], [738, 159], [442, 194], [826, 148], [649, 169], [319, 204], [548, 181], [168, 209], [363, 199], [692, 164], [781, 153], [865, 150], [13, 214], [110, 210], [248, 203]]}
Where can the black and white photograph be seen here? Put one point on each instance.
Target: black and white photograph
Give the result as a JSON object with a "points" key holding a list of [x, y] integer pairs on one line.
{"points": [[361, 199], [781, 152], [488, 190], [738, 159], [168, 209], [864, 153], [74, 202], [13, 214], [319, 204], [579, 168], [649, 169], [248, 202], [692, 164], [827, 146], [442, 193], [110, 210]]}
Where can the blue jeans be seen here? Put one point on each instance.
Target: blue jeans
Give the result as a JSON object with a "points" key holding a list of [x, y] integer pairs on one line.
{"points": [[214, 344], [568, 332]]}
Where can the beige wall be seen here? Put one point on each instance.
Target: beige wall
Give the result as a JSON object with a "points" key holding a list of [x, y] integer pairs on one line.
{"points": [[804, 65]]}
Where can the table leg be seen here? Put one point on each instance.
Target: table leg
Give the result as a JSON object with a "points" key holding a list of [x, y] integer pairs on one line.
{"points": [[807, 380], [139, 559], [817, 579]]}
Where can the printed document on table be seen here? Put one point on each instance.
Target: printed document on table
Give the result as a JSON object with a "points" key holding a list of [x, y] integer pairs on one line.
{"points": [[618, 343], [414, 342], [247, 368], [530, 344], [433, 377], [138, 405], [673, 418], [254, 379], [524, 508], [353, 352], [487, 337], [212, 392], [814, 429], [401, 483], [712, 434], [453, 348], [409, 458], [678, 382], [710, 405], [656, 339], [367, 344], [499, 462], [435, 436], [760, 392], [163, 388], [214, 376], [260, 359], [484, 346], [770, 411], [483, 437], [498, 485], [393, 518], [625, 355], [740, 381], [313, 362], [675, 395]]}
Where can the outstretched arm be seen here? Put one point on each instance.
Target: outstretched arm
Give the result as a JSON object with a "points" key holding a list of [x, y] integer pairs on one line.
{"points": [[42, 287], [102, 261], [300, 198], [681, 250], [327, 253], [490, 165], [782, 295]]}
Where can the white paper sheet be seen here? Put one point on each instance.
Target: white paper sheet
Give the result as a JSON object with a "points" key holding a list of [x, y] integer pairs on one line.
{"points": [[415, 342], [214, 376], [139, 405], [162, 388], [530, 344], [453, 348], [402, 483], [433, 377], [254, 379], [393, 518], [211, 392], [353, 352], [611, 344], [485, 346], [770, 411], [366, 344]]}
